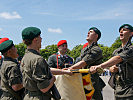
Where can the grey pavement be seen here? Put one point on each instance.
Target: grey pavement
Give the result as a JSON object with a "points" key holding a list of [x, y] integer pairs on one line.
{"points": [[108, 92]]}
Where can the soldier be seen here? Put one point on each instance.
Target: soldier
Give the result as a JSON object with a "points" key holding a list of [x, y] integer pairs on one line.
{"points": [[60, 60], [35, 69], [91, 55], [101, 82], [1, 60], [122, 65], [11, 77]]}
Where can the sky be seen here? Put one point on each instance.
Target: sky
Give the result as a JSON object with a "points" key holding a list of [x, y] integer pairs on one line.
{"points": [[65, 19]]}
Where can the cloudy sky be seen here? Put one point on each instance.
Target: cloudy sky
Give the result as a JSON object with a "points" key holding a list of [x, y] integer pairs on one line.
{"points": [[65, 19]]}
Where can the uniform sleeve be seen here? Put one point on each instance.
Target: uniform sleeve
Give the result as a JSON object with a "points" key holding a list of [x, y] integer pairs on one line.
{"points": [[51, 62], [41, 73], [15, 76], [91, 57], [78, 59], [126, 54], [71, 60]]}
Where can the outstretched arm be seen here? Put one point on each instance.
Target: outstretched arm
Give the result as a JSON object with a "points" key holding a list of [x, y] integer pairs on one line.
{"points": [[56, 71], [79, 65], [112, 61]]}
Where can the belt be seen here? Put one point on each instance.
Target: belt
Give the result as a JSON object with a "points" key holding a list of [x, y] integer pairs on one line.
{"points": [[34, 93], [38, 93]]}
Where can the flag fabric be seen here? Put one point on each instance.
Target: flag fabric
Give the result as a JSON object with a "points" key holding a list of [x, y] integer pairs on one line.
{"points": [[87, 85], [70, 87], [74, 87]]}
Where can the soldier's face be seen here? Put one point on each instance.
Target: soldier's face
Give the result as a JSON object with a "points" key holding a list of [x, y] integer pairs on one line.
{"points": [[38, 41], [125, 34], [63, 48], [13, 52], [91, 36]]}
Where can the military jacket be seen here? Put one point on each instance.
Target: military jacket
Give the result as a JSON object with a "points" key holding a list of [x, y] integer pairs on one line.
{"points": [[124, 84], [35, 73], [1, 60], [59, 61], [93, 56], [10, 74]]}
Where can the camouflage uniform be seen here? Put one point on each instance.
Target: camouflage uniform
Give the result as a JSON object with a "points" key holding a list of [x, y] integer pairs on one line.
{"points": [[124, 77], [1, 60], [35, 73], [93, 56], [60, 61], [10, 74]]}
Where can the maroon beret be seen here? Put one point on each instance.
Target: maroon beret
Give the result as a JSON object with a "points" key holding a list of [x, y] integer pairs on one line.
{"points": [[61, 42]]}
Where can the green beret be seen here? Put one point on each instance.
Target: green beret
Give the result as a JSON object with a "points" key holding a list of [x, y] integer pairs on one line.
{"points": [[127, 26], [5, 44], [97, 31], [30, 33]]}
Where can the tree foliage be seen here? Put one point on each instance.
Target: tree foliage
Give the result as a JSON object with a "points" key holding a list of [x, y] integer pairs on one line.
{"points": [[49, 50], [106, 52], [116, 44], [76, 51], [21, 47]]}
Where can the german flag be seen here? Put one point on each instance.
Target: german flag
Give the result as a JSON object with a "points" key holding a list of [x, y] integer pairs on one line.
{"points": [[88, 87]]}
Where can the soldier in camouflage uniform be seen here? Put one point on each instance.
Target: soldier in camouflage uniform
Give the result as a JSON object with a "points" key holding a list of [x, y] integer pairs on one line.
{"points": [[60, 60], [91, 55], [35, 69], [1, 60], [122, 65], [11, 76]]}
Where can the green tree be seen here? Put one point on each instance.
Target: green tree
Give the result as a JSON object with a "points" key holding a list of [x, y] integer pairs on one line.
{"points": [[75, 52], [21, 47], [45, 53], [49, 50], [116, 44], [106, 52]]}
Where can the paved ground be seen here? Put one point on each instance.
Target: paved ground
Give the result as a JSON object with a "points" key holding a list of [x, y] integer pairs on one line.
{"points": [[108, 93]]}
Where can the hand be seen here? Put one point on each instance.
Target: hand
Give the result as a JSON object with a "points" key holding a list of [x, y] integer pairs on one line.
{"points": [[113, 69], [65, 68], [68, 72], [93, 69]]}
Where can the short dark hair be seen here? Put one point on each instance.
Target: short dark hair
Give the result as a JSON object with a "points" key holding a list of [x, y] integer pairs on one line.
{"points": [[27, 41]]}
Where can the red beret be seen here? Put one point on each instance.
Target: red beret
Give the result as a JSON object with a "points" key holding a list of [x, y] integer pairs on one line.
{"points": [[61, 42], [85, 45], [3, 39]]}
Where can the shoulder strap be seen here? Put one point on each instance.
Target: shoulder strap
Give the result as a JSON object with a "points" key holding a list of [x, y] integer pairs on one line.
{"points": [[57, 62]]}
